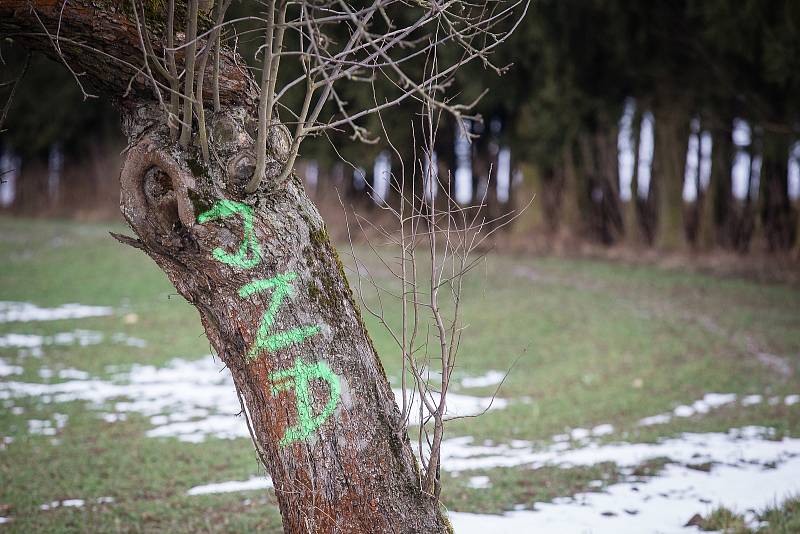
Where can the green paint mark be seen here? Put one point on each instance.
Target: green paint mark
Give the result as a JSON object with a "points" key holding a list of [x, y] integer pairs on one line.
{"points": [[298, 378], [223, 209], [265, 340]]}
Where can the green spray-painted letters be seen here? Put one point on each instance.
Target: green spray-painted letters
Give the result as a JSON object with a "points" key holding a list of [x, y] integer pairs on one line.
{"points": [[223, 209], [272, 342], [298, 378]]}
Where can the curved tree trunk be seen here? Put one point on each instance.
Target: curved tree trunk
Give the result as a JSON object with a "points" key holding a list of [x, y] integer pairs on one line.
{"points": [[268, 285]]}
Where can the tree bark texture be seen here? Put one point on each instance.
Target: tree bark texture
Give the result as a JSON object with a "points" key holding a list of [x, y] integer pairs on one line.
{"points": [[266, 281]]}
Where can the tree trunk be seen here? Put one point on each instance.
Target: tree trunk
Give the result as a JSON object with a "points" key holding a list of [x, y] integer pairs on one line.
{"points": [[743, 213], [777, 216], [268, 285], [669, 160], [719, 196], [551, 178]]}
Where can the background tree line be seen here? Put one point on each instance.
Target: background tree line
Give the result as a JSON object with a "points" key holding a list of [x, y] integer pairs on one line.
{"points": [[669, 123]]}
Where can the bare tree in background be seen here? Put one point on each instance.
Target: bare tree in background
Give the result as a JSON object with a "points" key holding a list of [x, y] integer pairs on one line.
{"points": [[208, 189], [426, 253]]}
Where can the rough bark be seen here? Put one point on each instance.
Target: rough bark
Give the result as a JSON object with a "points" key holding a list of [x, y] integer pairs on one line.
{"points": [[100, 43], [268, 285]]}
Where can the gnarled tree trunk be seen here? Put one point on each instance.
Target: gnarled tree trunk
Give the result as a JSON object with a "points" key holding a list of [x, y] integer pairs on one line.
{"points": [[265, 278]]}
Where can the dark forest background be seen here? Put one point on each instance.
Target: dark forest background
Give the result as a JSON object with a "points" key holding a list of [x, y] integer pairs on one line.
{"points": [[668, 125]]}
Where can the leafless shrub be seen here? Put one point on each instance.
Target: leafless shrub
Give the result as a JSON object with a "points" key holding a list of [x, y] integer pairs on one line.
{"points": [[426, 253], [332, 42]]}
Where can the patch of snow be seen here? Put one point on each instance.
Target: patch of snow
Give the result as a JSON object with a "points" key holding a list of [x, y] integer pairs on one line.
{"points": [[198, 396], [253, 483], [479, 482], [579, 433], [64, 373], [5, 520], [39, 426], [83, 338], [603, 430], [46, 427], [791, 399], [7, 370], [20, 340], [74, 503], [124, 339], [662, 504], [491, 378], [73, 373], [659, 419], [221, 426], [27, 312], [457, 405], [750, 400], [741, 446], [702, 406], [714, 400]]}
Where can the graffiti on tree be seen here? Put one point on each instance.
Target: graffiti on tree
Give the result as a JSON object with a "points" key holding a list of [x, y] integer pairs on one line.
{"points": [[300, 375], [223, 209], [272, 342]]}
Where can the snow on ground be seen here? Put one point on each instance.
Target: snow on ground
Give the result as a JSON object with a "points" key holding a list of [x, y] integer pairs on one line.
{"points": [[32, 344], [740, 461], [750, 400], [45, 427], [74, 503], [741, 446], [6, 369], [702, 406], [491, 378], [192, 400], [663, 503], [253, 483], [458, 405], [187, 399], [26, 312], [479, 482]]}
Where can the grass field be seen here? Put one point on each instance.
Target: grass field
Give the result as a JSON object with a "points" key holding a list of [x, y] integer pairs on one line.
{"points": [[90, 444]]}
